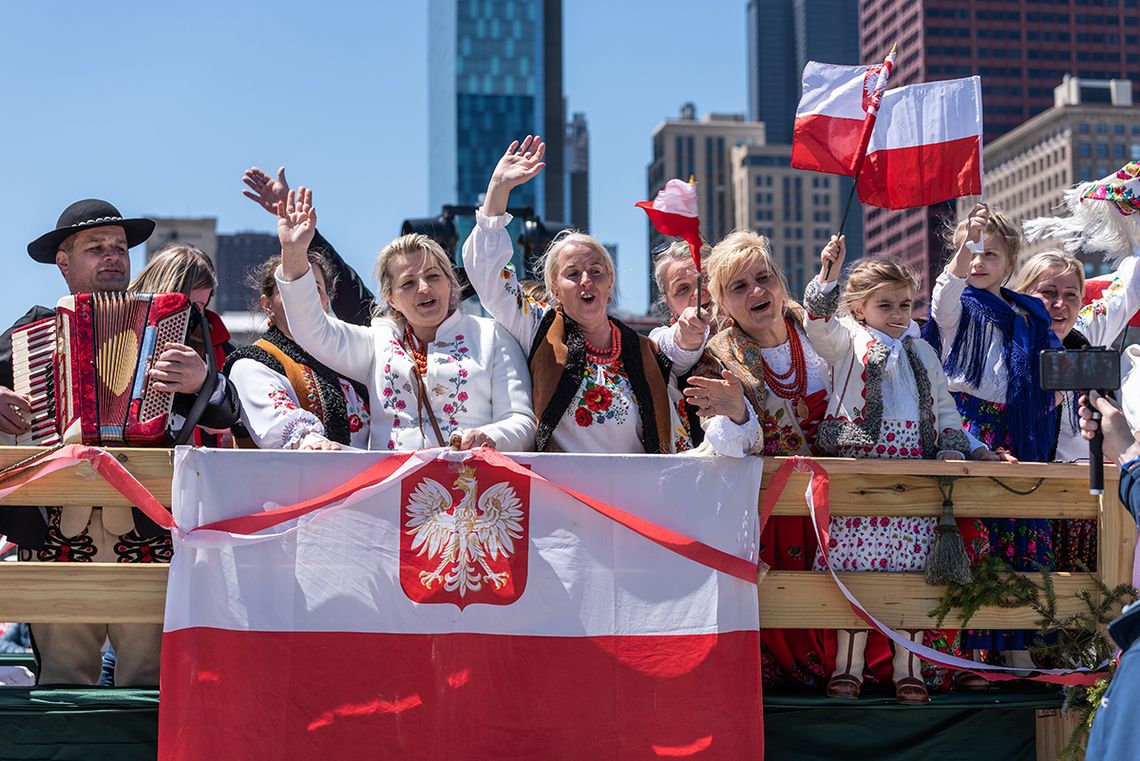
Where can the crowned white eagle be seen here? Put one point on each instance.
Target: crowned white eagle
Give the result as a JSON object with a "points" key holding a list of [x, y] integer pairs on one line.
{"points": [[464, 536]]}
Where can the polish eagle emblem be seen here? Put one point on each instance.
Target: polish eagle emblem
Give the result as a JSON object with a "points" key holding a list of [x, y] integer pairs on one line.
{"points": [[461, 549]]}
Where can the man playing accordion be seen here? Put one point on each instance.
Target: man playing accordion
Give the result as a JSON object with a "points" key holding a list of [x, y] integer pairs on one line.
{"points": [[90, 246]]}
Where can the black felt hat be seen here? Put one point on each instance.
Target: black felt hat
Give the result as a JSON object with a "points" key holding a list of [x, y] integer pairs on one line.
{"points": [[84, 215]]}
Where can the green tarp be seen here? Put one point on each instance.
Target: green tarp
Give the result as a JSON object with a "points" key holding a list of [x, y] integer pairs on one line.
{"points": [[122, 725]]}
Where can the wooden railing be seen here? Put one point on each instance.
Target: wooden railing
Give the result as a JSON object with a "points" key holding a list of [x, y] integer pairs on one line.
{"points": [[135, 593]]}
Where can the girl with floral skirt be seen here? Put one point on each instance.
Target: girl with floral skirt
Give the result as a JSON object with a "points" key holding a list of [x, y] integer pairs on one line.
{"points": [[889, 400], [989, 338]]}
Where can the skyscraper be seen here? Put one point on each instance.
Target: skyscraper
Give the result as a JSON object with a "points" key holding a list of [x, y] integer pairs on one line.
{"points": [[783, 35], [239, 254], [1022, 50], [578, 172], [494, 75]]}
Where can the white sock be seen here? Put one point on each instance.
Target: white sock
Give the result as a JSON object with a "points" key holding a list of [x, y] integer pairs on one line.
{"points": [[849, 654]]}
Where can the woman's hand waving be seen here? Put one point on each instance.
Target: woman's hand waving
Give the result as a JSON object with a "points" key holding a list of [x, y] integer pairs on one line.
{"points": [[521, 163]]}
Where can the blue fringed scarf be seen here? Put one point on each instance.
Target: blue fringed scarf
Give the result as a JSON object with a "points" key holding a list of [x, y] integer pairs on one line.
{"points": [[1032, 413]]}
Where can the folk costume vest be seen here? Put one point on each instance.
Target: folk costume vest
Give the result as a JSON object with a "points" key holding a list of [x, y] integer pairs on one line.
{"points": [[317, 387], [557, 361], [790, 423]]}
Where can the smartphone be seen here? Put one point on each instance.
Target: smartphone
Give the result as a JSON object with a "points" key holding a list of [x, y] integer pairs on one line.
{"points": [[1080, 369]]}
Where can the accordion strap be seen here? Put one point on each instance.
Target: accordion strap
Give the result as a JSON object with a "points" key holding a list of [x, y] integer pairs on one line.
{"points": [[208, 387]]}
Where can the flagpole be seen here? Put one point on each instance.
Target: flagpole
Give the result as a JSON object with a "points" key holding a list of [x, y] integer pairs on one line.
{"points": [[697, 258], [846, 211], [861, 155]]}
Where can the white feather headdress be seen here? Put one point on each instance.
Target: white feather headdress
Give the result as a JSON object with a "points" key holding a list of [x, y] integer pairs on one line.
{"points": [[1103, 217]]}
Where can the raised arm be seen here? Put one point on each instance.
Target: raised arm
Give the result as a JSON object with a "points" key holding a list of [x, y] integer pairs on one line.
{"points": [[353, 300], [1103, 319], [487, 251], [346, 349], [828, 335]]}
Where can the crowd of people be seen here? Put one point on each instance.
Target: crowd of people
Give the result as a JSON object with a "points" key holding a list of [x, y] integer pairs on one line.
{"points": [[740, 369]]}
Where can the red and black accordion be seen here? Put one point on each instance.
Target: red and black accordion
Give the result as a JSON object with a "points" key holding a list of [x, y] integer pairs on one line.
{"points": [[85, 370]]}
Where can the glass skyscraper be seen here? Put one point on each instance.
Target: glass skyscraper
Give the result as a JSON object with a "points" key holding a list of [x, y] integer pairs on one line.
{"points": [[495, 74]]}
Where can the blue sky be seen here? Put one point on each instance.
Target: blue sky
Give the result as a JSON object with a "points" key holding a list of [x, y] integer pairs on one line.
{"points": [[160, 107]]}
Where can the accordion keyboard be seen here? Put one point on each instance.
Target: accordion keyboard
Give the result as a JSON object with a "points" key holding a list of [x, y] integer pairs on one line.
{"points": [[33, 369]]}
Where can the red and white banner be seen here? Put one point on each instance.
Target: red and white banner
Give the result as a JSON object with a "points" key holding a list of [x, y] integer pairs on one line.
{"points": [[926, 146], [444, 605]]}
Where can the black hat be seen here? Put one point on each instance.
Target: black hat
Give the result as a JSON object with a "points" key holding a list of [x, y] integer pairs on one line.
{"points": [[84, 215]]}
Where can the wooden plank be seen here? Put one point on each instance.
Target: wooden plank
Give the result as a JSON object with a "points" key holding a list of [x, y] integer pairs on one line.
{"points": [[886, 487], [51, 593], [1116, 537], [81, 486], [1054, 728], [810, 600]]}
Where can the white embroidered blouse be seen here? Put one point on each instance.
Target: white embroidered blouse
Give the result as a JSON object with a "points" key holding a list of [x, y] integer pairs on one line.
{"points": [[476, 373], [274, 417], [603, 416]]}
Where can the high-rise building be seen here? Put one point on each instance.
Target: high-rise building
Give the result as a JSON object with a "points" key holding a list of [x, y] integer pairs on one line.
{"points": [[783, 35], [1091, 131], [200, 232], [701, 148], [238, 256], [798, 211], [494, 75], [1022, 50], [578, 172]]}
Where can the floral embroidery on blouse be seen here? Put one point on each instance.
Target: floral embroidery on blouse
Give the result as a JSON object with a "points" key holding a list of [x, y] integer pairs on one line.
{"points": [[281, 400], [524, 303], [682, 436], [456, 403], [605, 396], [357, 408]]}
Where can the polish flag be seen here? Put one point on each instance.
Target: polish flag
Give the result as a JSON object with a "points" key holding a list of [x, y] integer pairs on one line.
{"points": [[926, 147], [674, 212], [446, 605], [836, 114]]}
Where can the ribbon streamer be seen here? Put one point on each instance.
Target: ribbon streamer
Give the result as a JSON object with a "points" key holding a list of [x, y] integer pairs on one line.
{"points": [[817, 496]]}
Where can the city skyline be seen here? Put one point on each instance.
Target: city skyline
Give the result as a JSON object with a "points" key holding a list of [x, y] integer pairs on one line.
{"points": [[180, 101]]}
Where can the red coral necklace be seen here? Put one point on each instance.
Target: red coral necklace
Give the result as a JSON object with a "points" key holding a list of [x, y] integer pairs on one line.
{"points": [[793, 383], [605, 357], [416, 349]]}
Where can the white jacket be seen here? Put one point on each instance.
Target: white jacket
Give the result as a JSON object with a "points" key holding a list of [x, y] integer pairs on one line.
{"points": [[476, 373]]}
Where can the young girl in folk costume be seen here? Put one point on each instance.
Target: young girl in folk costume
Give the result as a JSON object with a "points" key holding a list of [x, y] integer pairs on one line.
{"points": [[989, 338], [889, 400]]}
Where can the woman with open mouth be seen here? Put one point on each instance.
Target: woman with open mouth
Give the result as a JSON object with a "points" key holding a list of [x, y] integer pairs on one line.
{"points": [[598, 385], [761, 388], [435, 376]]}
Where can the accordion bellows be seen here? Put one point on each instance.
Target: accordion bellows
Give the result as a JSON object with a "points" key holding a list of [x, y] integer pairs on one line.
{"points": [[93, 388]]}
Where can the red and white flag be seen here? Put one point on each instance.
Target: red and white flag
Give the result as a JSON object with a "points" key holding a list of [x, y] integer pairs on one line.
{"points": [[926, 146], [454, 605], [836, 115], [674, 212]]}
